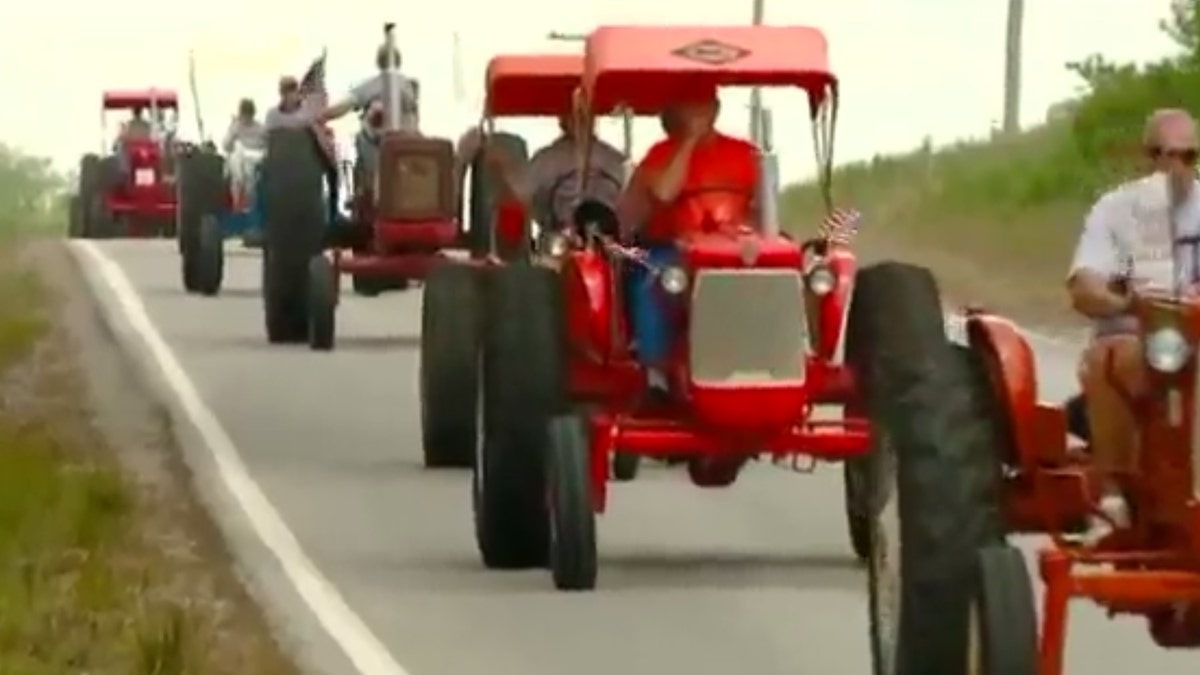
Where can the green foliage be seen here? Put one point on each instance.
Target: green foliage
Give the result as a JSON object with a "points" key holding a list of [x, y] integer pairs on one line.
{"points": [[29, 194]]}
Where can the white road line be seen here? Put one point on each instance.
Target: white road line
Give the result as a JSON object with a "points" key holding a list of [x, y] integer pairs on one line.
{"points": [[361, 646]]}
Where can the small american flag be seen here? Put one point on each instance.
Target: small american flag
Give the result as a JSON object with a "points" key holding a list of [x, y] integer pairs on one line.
{"points": [[840, 226], [312, 84]]}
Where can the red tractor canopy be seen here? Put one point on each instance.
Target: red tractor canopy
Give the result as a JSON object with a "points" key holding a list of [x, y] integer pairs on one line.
{"points": [[128, 99], [532, 84], [645, 68]]}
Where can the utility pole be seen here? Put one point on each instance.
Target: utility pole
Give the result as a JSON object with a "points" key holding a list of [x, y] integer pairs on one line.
{"points": [[1012, 67], [756, 104]]}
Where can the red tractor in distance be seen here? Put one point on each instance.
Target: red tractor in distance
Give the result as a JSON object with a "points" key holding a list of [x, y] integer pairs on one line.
{"points": [[760, 320], [130, 191], [403, 219], [497, 229]]}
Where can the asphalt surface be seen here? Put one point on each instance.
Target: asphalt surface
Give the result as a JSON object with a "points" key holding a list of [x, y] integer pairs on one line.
{"points": [[757, 579]]}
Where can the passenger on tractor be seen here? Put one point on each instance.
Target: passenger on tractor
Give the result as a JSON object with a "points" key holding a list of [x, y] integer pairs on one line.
{"points": [[289, 112], [134, 129], [1126, 245], [137, 127], [245, 129], [694, 179], [547, 185]]}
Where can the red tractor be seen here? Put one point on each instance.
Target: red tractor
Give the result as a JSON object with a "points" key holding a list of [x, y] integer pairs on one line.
{"points": [[403, 219], [130, 192], [759, 323], [977, 457], [497, 230]]}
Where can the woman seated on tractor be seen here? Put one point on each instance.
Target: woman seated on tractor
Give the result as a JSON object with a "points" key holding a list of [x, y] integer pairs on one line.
{"points": [[693, 180]]}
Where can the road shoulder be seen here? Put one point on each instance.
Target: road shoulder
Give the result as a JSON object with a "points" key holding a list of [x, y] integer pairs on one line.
{"points": [[116, 357]]}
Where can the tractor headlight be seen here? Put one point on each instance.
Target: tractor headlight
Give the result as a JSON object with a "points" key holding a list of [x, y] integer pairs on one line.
{"points": [[674, 280], [821, 280], [1167, 350], [554, 244]]}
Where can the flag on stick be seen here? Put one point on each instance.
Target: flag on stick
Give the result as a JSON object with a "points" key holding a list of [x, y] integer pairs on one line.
{"points": [[840, 226], [312, 84]]}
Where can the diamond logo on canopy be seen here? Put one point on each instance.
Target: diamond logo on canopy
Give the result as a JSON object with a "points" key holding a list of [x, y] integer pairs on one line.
{"points": [[711, 52]]}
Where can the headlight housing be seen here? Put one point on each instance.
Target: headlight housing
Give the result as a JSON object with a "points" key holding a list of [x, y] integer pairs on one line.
{"points": [[554, 244], [1167, 350], [674, 280], [821, 280]]}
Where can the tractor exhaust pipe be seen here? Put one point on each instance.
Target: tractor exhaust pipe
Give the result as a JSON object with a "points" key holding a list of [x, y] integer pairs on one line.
{"points": [[392, 84], [768, 186]]}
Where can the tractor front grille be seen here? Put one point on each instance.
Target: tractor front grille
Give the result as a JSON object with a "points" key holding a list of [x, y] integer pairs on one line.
{"points": [[748, 326]]}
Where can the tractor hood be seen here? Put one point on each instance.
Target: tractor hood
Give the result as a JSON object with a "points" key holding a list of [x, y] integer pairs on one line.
{"points": [[743, 247]]}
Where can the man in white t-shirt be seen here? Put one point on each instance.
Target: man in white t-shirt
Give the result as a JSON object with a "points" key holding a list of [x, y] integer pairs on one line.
{"points": [[548, 184], [1139, 230]]}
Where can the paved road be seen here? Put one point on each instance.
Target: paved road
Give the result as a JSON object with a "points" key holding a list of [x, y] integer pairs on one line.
{"points": [[757, 579]]}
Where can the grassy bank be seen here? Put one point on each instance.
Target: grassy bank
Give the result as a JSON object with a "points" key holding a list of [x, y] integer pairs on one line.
{"points": [[108, 566], [991, 218], [997, 219]]}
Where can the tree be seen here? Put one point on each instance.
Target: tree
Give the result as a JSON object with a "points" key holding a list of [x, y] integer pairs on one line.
{"points": [[1183, 27]]}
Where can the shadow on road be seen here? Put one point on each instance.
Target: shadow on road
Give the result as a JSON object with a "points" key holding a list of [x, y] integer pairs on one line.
{"points": [[731, 571], [227, 293], [651, 571], [377, 343]]}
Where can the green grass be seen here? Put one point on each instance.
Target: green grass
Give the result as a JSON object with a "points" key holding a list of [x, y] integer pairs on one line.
{"points": [[995, 220], [98, 574], [75, 581]]}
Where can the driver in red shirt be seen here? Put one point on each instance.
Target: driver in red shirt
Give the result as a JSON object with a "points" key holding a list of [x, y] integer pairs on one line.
{"points": [[696, 179]]}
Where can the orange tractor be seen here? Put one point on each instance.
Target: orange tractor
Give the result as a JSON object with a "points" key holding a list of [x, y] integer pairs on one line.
{"points": [[977, 457]]}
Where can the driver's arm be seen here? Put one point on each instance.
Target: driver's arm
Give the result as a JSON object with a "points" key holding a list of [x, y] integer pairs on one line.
{"points": [[1098, 259], [665, 185], [358, 97], [637, 200]]}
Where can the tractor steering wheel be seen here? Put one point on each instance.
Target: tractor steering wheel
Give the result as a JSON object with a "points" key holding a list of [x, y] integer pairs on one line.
{"points": [[553, 222]]}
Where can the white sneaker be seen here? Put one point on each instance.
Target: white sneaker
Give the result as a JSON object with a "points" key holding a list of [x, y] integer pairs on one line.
{"points": [[1114, 514]]}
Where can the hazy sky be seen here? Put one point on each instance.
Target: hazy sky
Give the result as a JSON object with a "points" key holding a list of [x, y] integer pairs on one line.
{"points": [[909, 67]]}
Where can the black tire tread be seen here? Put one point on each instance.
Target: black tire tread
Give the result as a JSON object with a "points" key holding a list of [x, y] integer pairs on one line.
{"points": [[293, 178], [573, 558], [932, 401], [449, 368], [524, 384], [485, 188], [1007, 617]]}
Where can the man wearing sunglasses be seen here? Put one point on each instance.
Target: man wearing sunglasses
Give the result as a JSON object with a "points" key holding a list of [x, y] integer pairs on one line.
{"points": [[1137, 233]]}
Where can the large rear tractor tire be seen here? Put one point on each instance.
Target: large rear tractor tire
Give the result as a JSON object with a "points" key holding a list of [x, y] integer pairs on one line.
{"points": [[524, 385], [451, 314], [103, 223], [930, 405], [200, 185], [75, 220], [485, 192], [293, 182]]}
